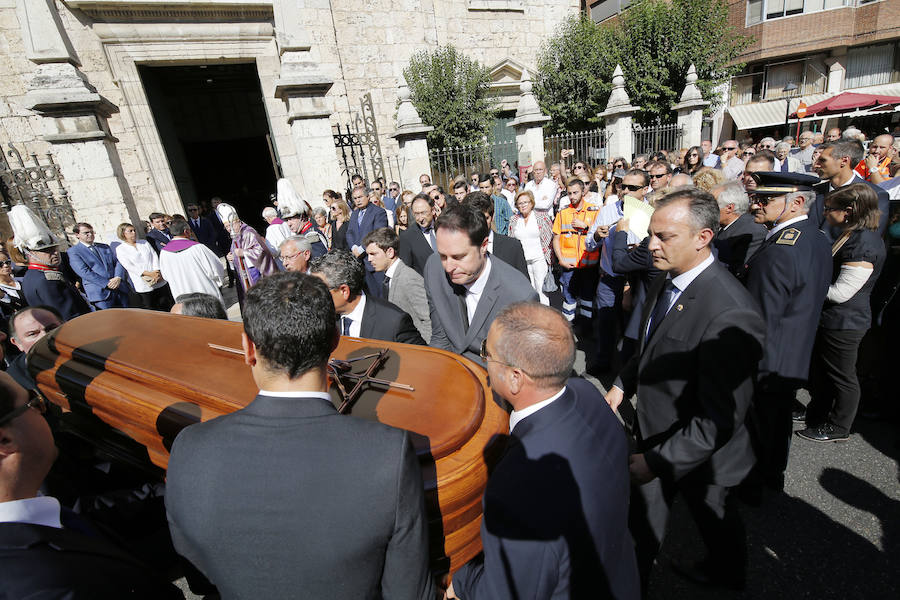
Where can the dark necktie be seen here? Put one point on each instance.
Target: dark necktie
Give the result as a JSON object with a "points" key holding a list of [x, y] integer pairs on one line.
{"points": [[663, 302], [346, 322], [429, 234], [386, 286], [96, 253], [460, 292], [196, 223]]}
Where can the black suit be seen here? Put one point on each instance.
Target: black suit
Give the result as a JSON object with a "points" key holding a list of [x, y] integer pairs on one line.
{"points": [[555, 508], [206, 233], [817, 210], [384, 321], [637, 263], [287, 498], [414, 248], [47, 562], [789, 281], [509, 250], [158, 239], [694, 383], [738, 242]]}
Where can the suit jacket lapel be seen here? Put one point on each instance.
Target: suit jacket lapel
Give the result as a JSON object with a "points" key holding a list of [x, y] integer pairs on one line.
{"points": [[488, 297], [682, 304], [652, 295], [368, 319]]}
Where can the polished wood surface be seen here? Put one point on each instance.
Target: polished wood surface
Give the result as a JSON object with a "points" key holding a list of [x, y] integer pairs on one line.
{"points": [[135, 378]]}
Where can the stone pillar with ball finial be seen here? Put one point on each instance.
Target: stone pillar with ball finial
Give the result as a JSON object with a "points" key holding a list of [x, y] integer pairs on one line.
{"points": [[529, 125], [690, 111], [412, 137]]}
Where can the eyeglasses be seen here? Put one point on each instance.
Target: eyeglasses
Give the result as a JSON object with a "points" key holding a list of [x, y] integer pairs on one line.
{"points": [[5, 263], [729, 148], [658, 176], [394, 189], [762, 200], [749, 153], [618, 166], [578, 167], [632, 188], [36, 401], [290, 257]]}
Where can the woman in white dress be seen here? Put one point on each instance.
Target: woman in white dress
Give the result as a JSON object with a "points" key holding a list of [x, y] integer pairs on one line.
{"points": [[149, 289], [535, 230]]}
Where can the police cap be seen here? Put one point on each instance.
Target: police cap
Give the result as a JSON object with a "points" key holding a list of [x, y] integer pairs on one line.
{"points": [[775, 183]]}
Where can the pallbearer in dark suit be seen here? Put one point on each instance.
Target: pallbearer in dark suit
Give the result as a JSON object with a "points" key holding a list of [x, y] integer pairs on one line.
{"points": [[360, 314], [417, 243], [41, 556], [739, 236], [701, 337], [556, 505], [789, 278], [364, 220], [287, 498]]}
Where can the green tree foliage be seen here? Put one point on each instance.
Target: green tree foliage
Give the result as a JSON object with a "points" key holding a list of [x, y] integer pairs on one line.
{"points": [[655, 41], [450, 92]]}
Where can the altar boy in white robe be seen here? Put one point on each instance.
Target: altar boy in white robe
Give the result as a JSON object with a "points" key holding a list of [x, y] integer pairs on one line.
{"points": [[189, 266]]}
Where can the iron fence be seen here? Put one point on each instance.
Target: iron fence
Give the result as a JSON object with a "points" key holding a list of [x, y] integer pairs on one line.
{"points": [[448, 163], [589, 146], [39, 186], [656, 137]]}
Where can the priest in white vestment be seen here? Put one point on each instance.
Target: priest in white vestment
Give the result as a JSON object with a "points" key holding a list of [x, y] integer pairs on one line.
{"points": [[189, 266]]}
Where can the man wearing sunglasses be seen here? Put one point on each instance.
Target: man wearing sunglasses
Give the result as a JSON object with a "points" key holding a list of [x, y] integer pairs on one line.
{"points": [[660, 175], [732, 164], [788, 277], [41, 556]]}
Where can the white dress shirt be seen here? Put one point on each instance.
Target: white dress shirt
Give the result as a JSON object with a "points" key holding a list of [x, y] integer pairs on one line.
{"points": [[517, 415], [389, 272], [355, 316], [781, 226], [476, 288], [682, 281], [42, 510], [544, 193], [305, 394]]}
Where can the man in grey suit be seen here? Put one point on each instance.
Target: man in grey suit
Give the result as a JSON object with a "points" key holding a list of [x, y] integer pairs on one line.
{"points": [[402, 286], [467, 288], [287, 498]]}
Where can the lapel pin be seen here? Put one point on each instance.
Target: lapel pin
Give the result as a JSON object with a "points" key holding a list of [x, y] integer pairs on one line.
{"points": [[679, 307]]}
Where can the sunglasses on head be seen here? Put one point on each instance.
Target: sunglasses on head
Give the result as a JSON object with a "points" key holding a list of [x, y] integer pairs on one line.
{"points": [[632, 188]]}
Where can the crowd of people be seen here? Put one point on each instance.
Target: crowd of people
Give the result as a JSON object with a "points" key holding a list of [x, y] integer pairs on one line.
{"points": [[707, 285]]}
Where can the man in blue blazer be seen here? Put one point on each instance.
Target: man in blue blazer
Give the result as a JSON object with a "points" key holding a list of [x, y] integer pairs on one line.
{"points": [[556, 505], [204, 230], [364, 220], [103, 278]]}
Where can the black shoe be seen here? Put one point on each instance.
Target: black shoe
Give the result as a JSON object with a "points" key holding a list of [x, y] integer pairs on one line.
{"points": [[701, 573], [824, 433], [799, 416]]}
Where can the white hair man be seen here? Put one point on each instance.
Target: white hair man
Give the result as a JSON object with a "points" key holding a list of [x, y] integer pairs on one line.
{"points": [[295, 252], [277, 231], [739, 235]]}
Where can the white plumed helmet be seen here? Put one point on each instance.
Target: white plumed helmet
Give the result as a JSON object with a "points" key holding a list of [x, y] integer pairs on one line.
{"points": [[289, 202], [31, 233]]}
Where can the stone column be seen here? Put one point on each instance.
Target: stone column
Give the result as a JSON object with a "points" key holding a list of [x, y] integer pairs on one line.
{"points": [[690, 111], [617, 116], [529, 125], [412, 137], [304, 90], [74, 122]]}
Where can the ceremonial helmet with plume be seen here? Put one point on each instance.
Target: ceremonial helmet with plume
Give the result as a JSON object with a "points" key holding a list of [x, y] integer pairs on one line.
{"points": [[30, 231], [290, 203]]}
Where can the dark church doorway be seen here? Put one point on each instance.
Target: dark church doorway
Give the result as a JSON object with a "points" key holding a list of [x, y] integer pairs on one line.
{"points": [[215, 131]]}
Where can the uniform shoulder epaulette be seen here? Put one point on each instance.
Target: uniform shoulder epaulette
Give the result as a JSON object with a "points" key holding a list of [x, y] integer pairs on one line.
{"points": [[53, 276], [789, 236]]}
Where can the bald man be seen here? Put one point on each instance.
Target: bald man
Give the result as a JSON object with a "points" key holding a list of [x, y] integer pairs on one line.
{"points": [[875, 166], [556, 505], [544, 189]]}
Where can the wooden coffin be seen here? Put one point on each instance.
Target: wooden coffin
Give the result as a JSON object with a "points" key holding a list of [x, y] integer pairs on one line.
{"points": [[132, 379]]}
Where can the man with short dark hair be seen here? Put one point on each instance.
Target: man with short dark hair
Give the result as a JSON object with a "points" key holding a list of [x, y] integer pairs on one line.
{"points": [[159, 235], [466, 287], [205, 230], [577, 261], [501, 212], [365, 219], [104, 280], [692, 393], [502, 246], [762, 161], [424, 180], [361, 315], [403, 286], [835, 166], [460, 190], [287, 476], [417, 242], [556, 504]]}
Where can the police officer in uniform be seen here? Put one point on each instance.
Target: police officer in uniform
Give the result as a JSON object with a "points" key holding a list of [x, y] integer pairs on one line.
{"points": [[44, 282], [789, 277]]}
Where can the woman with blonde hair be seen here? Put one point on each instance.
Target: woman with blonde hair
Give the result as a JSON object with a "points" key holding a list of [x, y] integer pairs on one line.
{"points": [[858, 255], [535, 230], [149, 289], [340, 215], [707, 178]]}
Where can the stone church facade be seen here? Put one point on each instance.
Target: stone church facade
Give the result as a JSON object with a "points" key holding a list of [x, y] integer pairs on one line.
{"points": [[145, 105]]}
